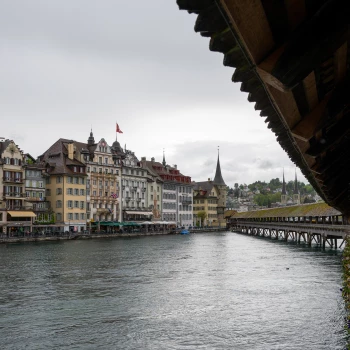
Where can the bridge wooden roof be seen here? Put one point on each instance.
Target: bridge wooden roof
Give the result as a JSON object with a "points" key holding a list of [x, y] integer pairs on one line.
{"points": [[292, 57], [314, 209]]}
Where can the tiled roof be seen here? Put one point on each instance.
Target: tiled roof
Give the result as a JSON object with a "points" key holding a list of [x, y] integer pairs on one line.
{"points": [[57, 157]]}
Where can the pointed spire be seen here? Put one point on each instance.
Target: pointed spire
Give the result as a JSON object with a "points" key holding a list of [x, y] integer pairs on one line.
{"points": [[218, 180], [284, 185], [91, 139], [296, 189], [164, 162]]}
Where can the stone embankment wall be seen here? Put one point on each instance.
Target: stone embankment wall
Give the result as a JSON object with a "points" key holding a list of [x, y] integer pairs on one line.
{"points": [[67, 237]]}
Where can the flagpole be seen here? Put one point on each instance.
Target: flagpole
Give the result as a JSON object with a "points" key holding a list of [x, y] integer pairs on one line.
{"points": [[121, 193]]}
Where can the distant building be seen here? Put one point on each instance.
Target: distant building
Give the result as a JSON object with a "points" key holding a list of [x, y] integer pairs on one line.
{"points": [[210, 197]]}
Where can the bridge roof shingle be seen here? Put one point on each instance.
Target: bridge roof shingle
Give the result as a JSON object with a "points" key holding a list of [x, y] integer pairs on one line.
{"points": [[314, 209]]}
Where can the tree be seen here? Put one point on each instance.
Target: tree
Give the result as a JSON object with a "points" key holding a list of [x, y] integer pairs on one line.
{"points": [[202, 215], [236, 190]]}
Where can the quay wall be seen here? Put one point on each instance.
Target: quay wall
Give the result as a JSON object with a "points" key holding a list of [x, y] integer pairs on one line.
{"points": [[47, 238]]}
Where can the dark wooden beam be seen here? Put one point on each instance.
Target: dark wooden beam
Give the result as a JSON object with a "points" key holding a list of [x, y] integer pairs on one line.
{"points": [[310, 45]]}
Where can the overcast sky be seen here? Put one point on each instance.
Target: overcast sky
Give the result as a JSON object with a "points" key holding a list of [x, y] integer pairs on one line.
{"points": [[67, 66]]}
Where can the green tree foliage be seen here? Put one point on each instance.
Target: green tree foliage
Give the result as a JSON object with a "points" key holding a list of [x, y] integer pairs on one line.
{"points": [[267, 199], [270, 191]]}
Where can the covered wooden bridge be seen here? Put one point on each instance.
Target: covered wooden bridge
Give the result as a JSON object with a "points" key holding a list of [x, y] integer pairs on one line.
{"points": [[292, 57], [316, 222]]}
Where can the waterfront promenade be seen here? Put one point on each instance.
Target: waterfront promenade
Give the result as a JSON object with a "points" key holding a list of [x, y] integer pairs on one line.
{"points": [[42, 237]]}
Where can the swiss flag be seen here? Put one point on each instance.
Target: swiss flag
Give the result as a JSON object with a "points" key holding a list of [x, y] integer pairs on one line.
{"points": [[118, 129]]}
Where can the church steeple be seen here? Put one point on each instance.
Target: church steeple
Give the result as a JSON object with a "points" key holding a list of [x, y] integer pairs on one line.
{"points": [[218, 180], [296, 189], [164, 162], [91, 140], [284, 185], [296, 193], [284, 192]]}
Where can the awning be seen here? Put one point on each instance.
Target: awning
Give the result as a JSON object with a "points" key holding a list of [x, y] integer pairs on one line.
{"points": [[22, 214], [147, 213]]}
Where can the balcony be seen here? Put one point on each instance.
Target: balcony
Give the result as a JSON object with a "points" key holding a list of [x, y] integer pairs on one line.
{"points": [[138, 199], [16, 207], [35, 199], [12, 180], [186, 201], [9, 195], [143, 189]]}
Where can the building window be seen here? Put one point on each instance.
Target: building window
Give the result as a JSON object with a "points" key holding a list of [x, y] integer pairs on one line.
{"points": [[69, 179], [76, 180], [59, 190], [82, 216], [58, 204], [82, 204], [94, 169], [70, 204], [106, 160], [40, 184], [48, 192], [76, 204], [99, 160], [82, 192], [69, 190], [88, 169], [76, 192], [70, 216], [58, 216]]}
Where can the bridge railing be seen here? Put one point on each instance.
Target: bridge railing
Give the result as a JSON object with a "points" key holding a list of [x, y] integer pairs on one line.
{"points": [[338, 230]]}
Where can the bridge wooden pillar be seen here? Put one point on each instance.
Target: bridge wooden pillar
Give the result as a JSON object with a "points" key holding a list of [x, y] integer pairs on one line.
{"points": [[309, 237]]}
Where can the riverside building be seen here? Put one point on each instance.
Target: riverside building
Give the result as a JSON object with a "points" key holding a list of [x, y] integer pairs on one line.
{"points": [[177, 198], [102, 184], [15, 214], [66, 184], [35, 192], [135, 181]]}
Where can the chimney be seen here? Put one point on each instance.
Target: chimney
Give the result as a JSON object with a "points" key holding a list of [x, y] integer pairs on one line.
{"points": [[175, 166], [143, 159], [208, 178], [71, 151], [152, 159]]}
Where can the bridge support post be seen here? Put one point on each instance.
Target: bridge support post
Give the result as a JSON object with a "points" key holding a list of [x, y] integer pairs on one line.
{"points": [[324, 238], [309, 237]]}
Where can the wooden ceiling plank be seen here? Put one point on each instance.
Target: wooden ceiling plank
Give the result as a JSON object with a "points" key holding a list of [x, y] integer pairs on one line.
{"points": [[285, 103], [340, 57], [257, 38], [306, 128], [310, 87]]}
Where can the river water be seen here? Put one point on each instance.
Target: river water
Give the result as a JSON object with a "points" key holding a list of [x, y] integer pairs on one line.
{"points": [[202, 291]]}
